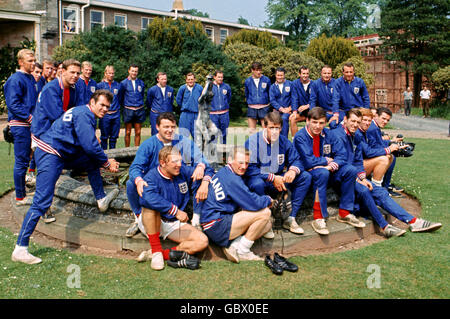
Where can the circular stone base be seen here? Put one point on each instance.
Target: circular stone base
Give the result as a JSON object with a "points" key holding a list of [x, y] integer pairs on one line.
{"points": [[82, 224]]}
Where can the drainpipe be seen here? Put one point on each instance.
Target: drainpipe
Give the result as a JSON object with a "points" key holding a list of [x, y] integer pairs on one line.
{"points": [[82, 14], [60, 22]]}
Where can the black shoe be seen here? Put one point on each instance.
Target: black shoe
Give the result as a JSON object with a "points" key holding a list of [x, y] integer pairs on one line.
{"points": [[394, 194], [189, 262], [177, 255], [394, 188], [284, 263], [276, 269], [48, 217]]}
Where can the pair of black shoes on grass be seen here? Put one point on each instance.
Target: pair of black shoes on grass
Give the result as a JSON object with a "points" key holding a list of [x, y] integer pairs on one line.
{"points": [[278, 264], [181, 259]]}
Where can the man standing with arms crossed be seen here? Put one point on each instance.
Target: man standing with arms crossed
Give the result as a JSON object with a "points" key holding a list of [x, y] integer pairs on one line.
{"points": [[220, 105], [301, 92], [281, 98], [350, 92], [131, 95], [187, 99], [159, 99], [257, 88]]}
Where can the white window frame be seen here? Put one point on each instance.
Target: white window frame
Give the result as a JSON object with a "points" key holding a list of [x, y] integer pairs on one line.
{"points": [[223, 29], [123, 16], [149, 20], [90, 18], [77, 19], [212, 32]]}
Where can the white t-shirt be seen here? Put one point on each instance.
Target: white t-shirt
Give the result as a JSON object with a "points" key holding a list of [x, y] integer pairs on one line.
{"points": [[425, 94], [134, 84], [305, 86], [163, 90], [256, 81]]}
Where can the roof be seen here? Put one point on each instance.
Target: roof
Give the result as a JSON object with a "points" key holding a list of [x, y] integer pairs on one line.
{"points": [[173, 14]]}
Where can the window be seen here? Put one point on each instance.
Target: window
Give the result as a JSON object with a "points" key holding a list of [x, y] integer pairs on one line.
{"points": [[210, 33], [223, 35], [145, 22], [120, 20], [70, 20], [97, 19]]}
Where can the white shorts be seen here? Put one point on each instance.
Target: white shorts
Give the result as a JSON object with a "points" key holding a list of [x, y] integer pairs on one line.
{"points": [[166, 227]]}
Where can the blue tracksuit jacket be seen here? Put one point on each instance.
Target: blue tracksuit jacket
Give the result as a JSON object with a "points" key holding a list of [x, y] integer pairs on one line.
{"points": [[187, 100], [159, 103], [299, 95], [257, 95], [20, 94], [227, 193], [222, 97], [49, 106], [84, 91], [322, 95], [129, 96], [349, 95]]}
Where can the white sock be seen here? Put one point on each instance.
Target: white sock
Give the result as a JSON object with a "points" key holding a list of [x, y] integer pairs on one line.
{"points": [[20, 248], [195, 219], [245, 245], [377, 183], [235, 242], [291, 219]]}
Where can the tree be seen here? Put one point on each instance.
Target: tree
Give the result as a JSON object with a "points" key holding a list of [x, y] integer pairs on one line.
{"points": [[242, 20], [197, 13], [441, 81], [416, 33], [262, 39], [332, 50]]}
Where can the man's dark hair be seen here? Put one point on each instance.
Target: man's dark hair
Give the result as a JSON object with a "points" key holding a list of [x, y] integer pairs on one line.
{"points": [[256, 66], [133, 65], [382, 110], [326, 66], [280, 69], [106, 93], [348, 65], [38, 65], [273, 117], [166, 116], [316, 113], [303, 67], [354, 111], [217, 72]]}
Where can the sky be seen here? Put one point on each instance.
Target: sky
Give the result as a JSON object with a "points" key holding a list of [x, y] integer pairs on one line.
{"points": [[226, 10]]}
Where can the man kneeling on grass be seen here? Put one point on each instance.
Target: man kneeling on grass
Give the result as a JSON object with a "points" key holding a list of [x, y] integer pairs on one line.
{"points": [[233, 217], [163, 202]]}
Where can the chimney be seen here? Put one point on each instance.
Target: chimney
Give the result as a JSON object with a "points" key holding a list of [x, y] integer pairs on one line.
{"points": [[177, 5]]}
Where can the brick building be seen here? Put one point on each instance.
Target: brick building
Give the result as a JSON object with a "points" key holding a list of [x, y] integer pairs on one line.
{"points": [[390, 79], [51, 22]]}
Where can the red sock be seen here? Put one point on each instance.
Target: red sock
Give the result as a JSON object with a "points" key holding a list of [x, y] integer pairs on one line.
{"points": [[317, 213], [413, 220], [155, 243], [167, 251], [31, 170], [343, 212]]}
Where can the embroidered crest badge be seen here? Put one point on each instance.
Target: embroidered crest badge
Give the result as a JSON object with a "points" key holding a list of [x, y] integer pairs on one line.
{"points": [[326, 149], [224, 92], [280, 159], [92, 89], [116, 91], [287, 89], [356, 90], [183, 187], [264, 85]]}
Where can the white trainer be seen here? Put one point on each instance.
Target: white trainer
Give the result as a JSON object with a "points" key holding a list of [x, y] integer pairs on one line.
{"points": [[249, 256], [269, 235], [21, 254], [144, 256], [103, 203], [291, 225], [157, 261], [351, 220], [320, 226]]}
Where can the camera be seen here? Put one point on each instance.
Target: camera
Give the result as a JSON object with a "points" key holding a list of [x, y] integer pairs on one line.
{"points": [[404, 152]]}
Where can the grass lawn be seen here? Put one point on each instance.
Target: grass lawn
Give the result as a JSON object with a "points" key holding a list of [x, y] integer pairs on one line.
{"points": [[413, 266]]}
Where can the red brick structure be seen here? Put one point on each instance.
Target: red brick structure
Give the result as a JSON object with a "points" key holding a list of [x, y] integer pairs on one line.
{"points": [[390, 79]]}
